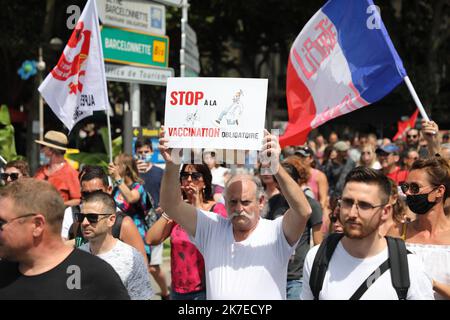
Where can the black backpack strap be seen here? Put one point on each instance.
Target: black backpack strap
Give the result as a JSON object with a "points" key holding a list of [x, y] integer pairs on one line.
{"points": [[115, 231], [321, 260], [370, 280], [399, 266]]}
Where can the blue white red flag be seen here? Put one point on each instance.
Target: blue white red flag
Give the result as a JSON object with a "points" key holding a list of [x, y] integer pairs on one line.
{"points": [[341, 61]]}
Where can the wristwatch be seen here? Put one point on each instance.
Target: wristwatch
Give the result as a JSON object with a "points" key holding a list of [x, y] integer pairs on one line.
{"points": [[118, 182]]}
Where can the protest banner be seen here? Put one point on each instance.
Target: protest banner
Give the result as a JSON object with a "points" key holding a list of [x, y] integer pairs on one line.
{"points": [[224, 113]]}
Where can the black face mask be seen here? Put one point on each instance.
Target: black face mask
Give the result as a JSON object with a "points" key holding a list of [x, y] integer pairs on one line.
{"points": [[419, 203]]}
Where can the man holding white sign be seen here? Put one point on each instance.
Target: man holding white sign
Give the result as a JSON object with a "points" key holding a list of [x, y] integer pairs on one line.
{"points": [[246, 256]]}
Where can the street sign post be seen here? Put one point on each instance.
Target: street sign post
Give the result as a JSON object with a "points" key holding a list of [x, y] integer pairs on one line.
{"points": [[189, 53], [134, 48], [174, 3], [141, 75], [131, 14]]}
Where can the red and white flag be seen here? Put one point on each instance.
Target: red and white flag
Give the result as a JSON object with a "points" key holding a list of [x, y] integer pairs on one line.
{"points": [[77, 84]]}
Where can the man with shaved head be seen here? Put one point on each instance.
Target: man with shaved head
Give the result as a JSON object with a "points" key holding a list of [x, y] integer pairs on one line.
{"points": [[246, 256]]}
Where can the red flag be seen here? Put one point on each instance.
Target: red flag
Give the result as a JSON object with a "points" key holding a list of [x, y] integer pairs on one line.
{"points": [[404, 126]]}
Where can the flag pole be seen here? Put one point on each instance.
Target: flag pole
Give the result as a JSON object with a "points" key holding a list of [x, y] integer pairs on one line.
{"points": [[416, 98], [107, 107]]}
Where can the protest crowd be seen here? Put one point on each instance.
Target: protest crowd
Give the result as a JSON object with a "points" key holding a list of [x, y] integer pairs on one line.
{"points": [[237, 230], [247, 214]]}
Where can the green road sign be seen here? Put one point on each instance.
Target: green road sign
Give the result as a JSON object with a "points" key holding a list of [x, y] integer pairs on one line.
{"points": [[134, 48]]}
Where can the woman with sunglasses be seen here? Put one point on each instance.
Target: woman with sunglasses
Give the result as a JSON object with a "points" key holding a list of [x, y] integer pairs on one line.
{"points": [[187, 264], [426, 188], [15, 170]]}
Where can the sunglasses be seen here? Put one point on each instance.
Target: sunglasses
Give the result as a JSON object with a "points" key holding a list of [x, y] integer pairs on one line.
{"points": [[13, 176], [412, 136], [91, 217], [195, 176], [412, 187]]}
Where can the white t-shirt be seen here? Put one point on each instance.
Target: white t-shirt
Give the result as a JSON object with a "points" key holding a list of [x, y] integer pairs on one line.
{"points": [[67, 223], [255, 268], [130, 266], [346, 273], [436, 260]]}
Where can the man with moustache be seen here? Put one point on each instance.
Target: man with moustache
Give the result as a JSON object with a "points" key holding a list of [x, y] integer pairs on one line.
{"points": [[364, 207], [246, 256]]}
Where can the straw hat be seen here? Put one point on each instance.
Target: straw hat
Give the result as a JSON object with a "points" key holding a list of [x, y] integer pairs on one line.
{"points": [[55, 140]]}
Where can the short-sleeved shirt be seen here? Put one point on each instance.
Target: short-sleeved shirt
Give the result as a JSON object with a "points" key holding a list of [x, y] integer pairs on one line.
{"points": [[65, 180], [81, 276], [131, 268], [255, 268]]}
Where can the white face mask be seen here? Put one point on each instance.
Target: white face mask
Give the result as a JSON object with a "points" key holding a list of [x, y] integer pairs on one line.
{"points": [[43, 159]]}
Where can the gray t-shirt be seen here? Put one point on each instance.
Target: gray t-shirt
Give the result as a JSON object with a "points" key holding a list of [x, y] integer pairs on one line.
{"points": [[130, 266]]}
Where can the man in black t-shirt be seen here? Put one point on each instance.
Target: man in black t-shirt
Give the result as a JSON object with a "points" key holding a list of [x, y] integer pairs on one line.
{"points": [[35, 262]]}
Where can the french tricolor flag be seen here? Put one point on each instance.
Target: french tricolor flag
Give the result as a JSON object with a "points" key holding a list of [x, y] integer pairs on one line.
{"points": [[341, 61]]}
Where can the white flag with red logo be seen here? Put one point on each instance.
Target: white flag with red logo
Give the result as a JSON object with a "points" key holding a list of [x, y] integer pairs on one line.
{"points": [[77, 84]]}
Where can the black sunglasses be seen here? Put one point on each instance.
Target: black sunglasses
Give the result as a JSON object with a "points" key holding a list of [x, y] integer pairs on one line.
{"points": [[413, 187], [13, 176], [194, 175], [412, 136], [91, 217]]}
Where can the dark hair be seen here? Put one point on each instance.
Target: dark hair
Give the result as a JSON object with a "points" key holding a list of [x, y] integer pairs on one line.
{"points": [[143, 142], [89, 173], [104, 198], [303, 169], [207, 178], [438, 169], [21, 165], [371, 176], [291, 170]]}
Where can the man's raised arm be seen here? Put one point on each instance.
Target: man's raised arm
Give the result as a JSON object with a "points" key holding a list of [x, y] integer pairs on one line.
{"points": [[171, 200], [295, 218]]}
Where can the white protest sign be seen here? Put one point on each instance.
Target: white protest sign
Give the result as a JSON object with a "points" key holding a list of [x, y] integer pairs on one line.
{"points": [[222, 113]]}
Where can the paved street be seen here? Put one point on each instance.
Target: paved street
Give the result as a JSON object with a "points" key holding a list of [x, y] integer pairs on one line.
{"points": [[166, 268]]}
